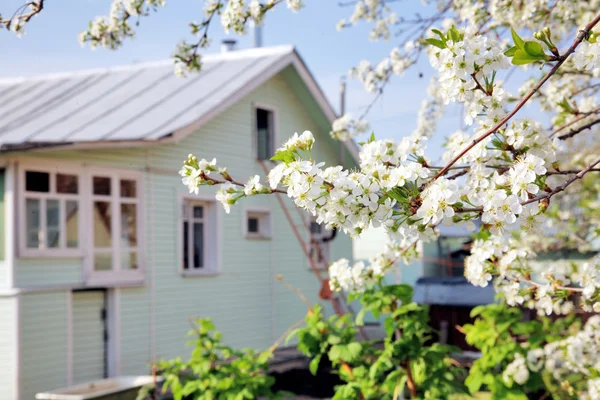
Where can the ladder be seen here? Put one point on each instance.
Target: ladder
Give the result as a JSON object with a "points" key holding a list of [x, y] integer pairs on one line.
{"points": [[339, 301]]}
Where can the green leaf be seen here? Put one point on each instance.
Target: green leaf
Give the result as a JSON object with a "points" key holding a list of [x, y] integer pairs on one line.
{"points": [[436, 43], [518, 41], [314, 364], [360, 317], [522, 58], [534, 49], [454, 35], [474, 381], [372, 137], [511, 52], [388, 324], [439, 33]]}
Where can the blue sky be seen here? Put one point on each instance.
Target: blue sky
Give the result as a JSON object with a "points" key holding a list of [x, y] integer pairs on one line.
{"points": [[50, 45]]}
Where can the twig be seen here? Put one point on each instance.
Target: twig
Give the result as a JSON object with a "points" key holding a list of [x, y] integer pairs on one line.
{"points": [[564, 185], [35, 6], [574, 132], [582, 34], [569, 172], [582, 116]]}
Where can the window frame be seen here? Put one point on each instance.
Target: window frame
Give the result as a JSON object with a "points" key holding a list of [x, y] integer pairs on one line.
{"points": [[265, 224], [274, 140], [212, 243], [116, 274], [324, 247], [22, 195]]}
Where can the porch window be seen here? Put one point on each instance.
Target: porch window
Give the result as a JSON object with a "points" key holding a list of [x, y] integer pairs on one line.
{"points": [[51, 204], [115, 222]]}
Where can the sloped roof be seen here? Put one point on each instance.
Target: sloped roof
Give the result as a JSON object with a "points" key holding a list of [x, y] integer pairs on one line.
{"points": [[137, 103], [451, 291]]}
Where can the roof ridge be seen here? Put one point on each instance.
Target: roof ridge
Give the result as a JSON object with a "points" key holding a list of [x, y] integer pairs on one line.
{"points": [[213, 57]]}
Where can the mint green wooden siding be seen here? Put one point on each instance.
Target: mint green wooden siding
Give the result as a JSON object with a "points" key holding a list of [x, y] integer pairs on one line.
{"points": [[2, 237], [33, 272], [43, 342], [134, 319], [88, 336], [244, 300], [8, 347]]}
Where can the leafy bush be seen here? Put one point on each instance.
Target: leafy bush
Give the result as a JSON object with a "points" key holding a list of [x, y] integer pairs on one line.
{"points": [[215, 371]]}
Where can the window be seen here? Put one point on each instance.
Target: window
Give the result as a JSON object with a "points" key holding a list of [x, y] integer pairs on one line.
{"points": [[257, 224], [199, 237], [115, 223], [265, 133], [319, 250], [51, 204], [76, 211]]}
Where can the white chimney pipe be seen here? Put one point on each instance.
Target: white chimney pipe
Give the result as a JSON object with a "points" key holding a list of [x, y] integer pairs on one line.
{"points": [[257, 33], [228, 45]]}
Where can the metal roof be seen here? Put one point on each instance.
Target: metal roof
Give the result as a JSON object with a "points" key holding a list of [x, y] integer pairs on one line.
{"points": [[137, 103], [455, 291]]}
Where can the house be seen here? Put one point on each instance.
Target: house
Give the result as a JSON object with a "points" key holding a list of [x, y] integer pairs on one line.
{"points": [[104, 255]]}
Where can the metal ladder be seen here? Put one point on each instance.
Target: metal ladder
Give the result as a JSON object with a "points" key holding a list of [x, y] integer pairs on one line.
{"points": [[338, 302]]}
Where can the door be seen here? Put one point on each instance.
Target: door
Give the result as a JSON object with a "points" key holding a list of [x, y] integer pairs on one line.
{"points": [[90, 335]]}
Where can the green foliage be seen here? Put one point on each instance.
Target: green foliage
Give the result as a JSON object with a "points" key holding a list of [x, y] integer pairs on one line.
{"points": [[216, 371], [384, 369], [525, 52], [453, 35], [500, 332]]}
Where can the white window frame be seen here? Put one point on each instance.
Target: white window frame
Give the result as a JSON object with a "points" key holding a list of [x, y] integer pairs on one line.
{"points": [[324, 247], [273, 109], [116, 275], [52, 169], [265, 224], [212, 234]]}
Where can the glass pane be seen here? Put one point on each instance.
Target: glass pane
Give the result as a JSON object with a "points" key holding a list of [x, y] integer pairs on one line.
{"points": [[185, 245], [37, 181], [102, 185], [32, 209], [263, 133], [252, 225], [67, 184], [315, 228], [198, 245], [127, 188], [198, 212], [102, 262], [102, 224], [72, 223], [52, 223], [129, 260], [128, 225]]}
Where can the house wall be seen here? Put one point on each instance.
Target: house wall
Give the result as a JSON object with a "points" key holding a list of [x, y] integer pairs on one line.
{"points": [[43, 350], [8, 347], [2, 244], [245, 301]]}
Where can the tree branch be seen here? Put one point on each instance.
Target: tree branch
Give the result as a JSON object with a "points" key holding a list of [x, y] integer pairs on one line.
{"points": [[582, 34], [582, 116], [574, 132], [564, 185], [35, 6]]}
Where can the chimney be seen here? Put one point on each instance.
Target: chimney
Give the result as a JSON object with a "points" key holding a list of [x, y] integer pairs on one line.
{"points": [[228, 45], [257, 35]]}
